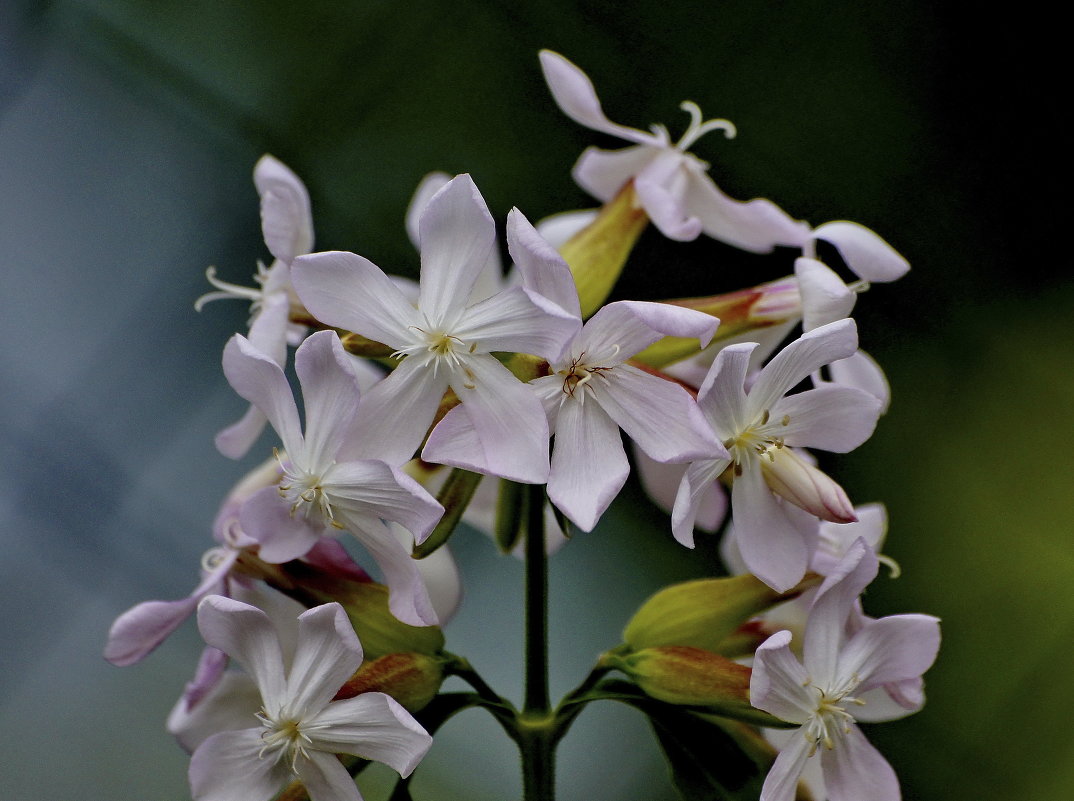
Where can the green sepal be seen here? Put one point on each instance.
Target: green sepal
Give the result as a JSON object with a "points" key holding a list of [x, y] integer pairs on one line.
{"points": [[510, 512]]}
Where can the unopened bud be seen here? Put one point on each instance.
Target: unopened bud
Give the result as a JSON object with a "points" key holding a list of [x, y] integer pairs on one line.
{"points": [[794, 479], [412, 679]]}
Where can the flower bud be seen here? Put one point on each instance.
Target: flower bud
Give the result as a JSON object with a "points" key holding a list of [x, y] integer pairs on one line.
{"points": [[693, 677], [703, 613], [597, 253], [412, 679], [794, 479]]}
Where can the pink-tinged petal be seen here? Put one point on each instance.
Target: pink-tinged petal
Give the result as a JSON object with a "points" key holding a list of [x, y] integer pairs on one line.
{"points": [[440, 574], [866, 253], [722, 397], [408, 598], [771, 544], [661, 483], [371, 487], [890, 702], [374, 726], [697, 485], [756, 225], [268, 330], [621, 329], [281, 536], [698, 482], [854, 770], [576, 97], [891, 649], [836, 538], [830, 417], [589, 465], [826, 628], [667, 209], [825, 297], [862, 372], [429, 186], [260, 380], [235, 441], [779, 684], [558, 229], [245, 633], [348, 291], [142, 628], [795, 480], [395, 414], [226, 767], [330, 556], [367, 373], [805, 355], [211, 668], [286, 219], [231, 704], [781, 783], [457, 232], [330, 394], [602, 173], [326, 655], [517, 320], [659, 415], [507, 419], [541, 267], [325, 778]]}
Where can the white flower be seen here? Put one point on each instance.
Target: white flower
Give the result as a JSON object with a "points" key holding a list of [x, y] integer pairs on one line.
{"points": [[300, 729], [672, 185]]}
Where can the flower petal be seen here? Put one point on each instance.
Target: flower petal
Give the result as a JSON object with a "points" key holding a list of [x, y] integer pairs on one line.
{"points": [[232, 704], [427, 187], [326, 655], [781, 783], [589, 466], [330, 394], [825, 297], [374, 726], [286, 219], [866, 253], [576, 97], [697, 483], [667, 209], [891, 649], [558, 229], [441, 576], [245, 633], [661, 483], [226, 767], [260, 380], [539, 264], [325, 778], [603, 173], [281, 536], [779, 684], [348, 291], [621, 329], [830, 417], [855, 770], [372, 487], [756, 225], [860, 370], [722, 396], [457, 232], [517, 320], [771, 543]]}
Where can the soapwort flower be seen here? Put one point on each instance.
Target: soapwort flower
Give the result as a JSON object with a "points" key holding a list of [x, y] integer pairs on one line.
{"points": [[300, 729], [446, 342], [319, 492], [777, 496], [672, 184], [829, 690]]}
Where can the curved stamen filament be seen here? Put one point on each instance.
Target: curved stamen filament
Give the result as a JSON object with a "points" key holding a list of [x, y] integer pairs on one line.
{"points": [[698, 128]]}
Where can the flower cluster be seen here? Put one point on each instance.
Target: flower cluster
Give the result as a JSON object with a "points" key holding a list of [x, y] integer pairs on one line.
{"points": [[472, 383]]}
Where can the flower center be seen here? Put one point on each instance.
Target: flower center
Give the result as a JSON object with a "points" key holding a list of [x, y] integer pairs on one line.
{"points": [[578, 374], [304, 490], [830, 719], [757, 438], [283, 739]]}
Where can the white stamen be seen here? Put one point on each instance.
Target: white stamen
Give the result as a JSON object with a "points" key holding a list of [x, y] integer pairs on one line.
{"points": [[697, 128]]}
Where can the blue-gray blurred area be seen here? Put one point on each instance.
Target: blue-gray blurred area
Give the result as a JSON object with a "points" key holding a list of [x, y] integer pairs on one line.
{"points": [[128, 131]]}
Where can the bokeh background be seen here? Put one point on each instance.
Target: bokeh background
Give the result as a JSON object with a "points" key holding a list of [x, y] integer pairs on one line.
{"points": [[128, 132]]}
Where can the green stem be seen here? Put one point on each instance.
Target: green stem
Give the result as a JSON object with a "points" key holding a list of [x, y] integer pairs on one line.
{"points": [[536, 731]]}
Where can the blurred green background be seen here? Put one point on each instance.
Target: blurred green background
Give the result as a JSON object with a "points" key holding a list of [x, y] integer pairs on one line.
{"points": [[128, 131]]}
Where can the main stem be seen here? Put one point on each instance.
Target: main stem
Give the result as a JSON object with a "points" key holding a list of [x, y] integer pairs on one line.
{"points": [[535, 722]]}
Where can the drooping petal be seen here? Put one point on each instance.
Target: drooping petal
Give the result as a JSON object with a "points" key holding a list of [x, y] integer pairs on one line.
{"points": [[326, 655], [576, 97], [855, 770], [891, 649], [260, 380], [666, 207], [825, 297], [286, 219], [408, 599], [348, 291], [212, 666], [281, 535], [226, 767], [539, 264], [457, 232], [771, 544], [376, 488], [808, 353], [661, 483], [394, 415], [517, 320], [330, 394], [722, 396], [603, 173], [232, 704], [779, 684], [836, 538], [235, 441], [781, 783], [625, 327], [696, 484], [507, 418], [860, 370], [830, 417], [374, 726], [865, 252], [589, 465], [756, 225], [427, 187], [659, 415], [325, 778], [440, 573], [245, 633]]}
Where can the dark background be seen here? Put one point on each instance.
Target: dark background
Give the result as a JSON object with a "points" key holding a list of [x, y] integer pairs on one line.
{"points": [[128, 131]]}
